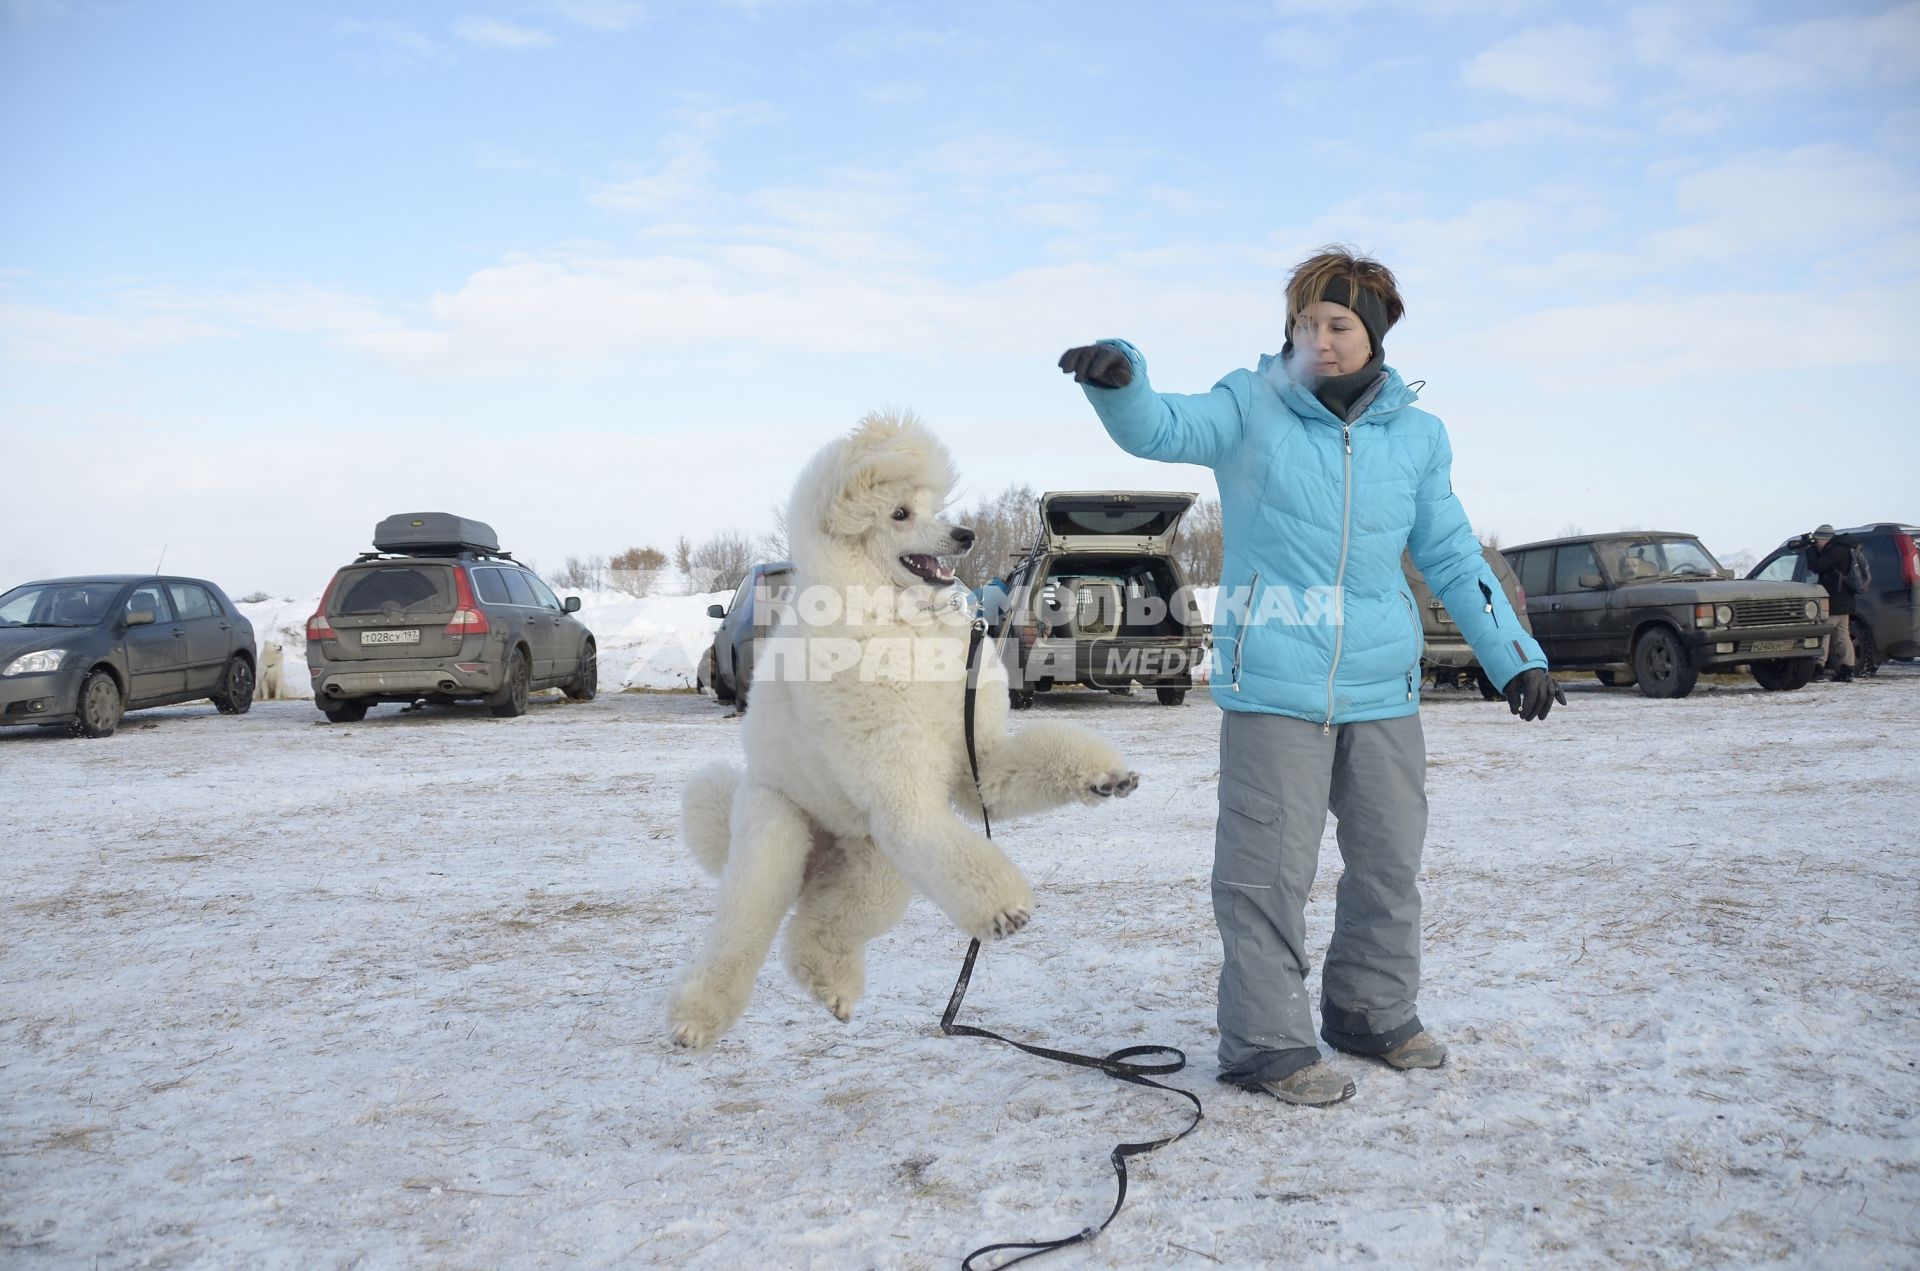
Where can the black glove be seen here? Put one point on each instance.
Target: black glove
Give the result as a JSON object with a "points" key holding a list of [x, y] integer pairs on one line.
{"points": [[1098, 364], [1532, 693]]}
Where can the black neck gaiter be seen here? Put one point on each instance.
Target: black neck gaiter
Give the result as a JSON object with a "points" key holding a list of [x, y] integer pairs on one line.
{"points": [[1338, 393]]}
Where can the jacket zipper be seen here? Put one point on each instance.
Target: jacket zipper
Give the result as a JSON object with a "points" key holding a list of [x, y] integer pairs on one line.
{"points": [[1419, 635], [1487, 593], [1240, 640], [1340, 576]]}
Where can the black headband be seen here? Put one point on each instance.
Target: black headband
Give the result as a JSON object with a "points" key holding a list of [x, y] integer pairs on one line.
{"points": [[1370, 308]]}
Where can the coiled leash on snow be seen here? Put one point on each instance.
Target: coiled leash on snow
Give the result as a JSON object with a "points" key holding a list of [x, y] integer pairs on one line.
{"points": [[1122, 1065]]}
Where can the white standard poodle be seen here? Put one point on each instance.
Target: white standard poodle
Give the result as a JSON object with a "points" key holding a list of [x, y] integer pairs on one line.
{"points": [[857, 776]]}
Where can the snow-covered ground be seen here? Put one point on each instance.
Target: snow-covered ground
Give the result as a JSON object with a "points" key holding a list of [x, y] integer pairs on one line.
{"points": [[277, 993]]}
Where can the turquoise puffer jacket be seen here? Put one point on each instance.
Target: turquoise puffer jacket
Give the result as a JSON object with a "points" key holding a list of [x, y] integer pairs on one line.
{"points": [[1314, 618]]}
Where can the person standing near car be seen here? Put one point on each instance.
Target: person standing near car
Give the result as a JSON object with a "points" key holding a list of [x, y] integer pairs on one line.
{"points": [[1837, 562], [1327, 471]]}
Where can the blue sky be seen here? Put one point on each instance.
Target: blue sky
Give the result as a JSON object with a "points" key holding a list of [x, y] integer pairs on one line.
{"points": [[603, 273]]}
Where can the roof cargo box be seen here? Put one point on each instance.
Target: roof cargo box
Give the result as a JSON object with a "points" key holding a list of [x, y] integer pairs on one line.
{"points": [[434, 532]]}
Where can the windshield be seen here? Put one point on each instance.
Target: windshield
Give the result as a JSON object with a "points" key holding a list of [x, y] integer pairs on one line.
{"points": [[57, 604], [1632, 559]]}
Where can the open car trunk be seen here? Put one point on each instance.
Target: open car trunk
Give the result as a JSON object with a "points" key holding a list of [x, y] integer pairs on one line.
{"points": [[1092, 597], [1113, 520]]}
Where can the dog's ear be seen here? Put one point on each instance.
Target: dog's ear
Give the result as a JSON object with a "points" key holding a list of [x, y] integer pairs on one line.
{"points": [[867, 493]]}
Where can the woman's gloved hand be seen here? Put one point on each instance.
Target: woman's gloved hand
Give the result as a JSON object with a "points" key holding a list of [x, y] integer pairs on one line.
{"points": [[1532, 693], [1099, 364]]}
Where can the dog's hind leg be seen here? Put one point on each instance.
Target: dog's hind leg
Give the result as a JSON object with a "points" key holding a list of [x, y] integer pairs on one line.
{"points": [[766, 861], [851, 894]]}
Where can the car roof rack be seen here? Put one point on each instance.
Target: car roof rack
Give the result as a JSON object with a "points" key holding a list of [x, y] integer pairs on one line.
{"points": [[451, 552]]}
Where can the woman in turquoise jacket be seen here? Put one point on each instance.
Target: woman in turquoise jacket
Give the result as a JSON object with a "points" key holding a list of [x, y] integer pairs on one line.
{"points": [[1327, 471]]}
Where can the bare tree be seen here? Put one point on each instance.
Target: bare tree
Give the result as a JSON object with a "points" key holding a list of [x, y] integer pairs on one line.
{"points": [[1199, 548], [1004, 527], [1490, 538], [721, 562], [588, 573], [773, 544], [638, 570]]}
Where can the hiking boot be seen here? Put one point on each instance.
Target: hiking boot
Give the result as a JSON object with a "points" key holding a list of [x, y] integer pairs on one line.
{"points": [[1843, 676], [1315, 1086], [1418, 1051]]}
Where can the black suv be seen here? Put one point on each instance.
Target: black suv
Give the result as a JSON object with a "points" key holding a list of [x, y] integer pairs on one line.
{"points": [[1098, 600], [437, 612], [1886, 619], [1655, 609]]}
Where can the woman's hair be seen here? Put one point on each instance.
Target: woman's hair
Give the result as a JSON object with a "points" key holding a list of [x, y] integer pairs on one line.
{"points": [[1334, 266]]}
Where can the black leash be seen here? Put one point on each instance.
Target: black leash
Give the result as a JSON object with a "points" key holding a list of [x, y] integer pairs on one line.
{"points": [[1122, 1065]]}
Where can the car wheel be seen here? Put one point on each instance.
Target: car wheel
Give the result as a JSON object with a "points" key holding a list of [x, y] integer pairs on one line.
{"points": [[1866, 654], [1783, 675], [586, 681], [235, 693], [1020, 698], [100, 706], [722, 687], [1487, 690], [1662, 666], [511, 699], [351, 711], [1171, 696]]}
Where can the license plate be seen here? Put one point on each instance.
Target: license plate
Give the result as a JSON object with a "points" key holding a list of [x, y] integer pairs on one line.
{"points": [[1770, 646], [390, 637]]}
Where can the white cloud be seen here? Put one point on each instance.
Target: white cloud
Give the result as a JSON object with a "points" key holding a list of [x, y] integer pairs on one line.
{"points": [[45, 336], [493, 33], [1796, 205], [1750, 61], [893, 41], [684, 179], [394, 46], [1530, 129], [1566, 65]]}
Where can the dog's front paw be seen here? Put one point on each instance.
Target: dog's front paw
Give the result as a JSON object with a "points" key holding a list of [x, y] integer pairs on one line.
{"points": [[1007, 922], [691, 1036], [695, 1018], [1113, 785]]}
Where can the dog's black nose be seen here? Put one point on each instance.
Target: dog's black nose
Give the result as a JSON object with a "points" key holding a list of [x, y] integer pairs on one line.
{"points": [[962, 537]]}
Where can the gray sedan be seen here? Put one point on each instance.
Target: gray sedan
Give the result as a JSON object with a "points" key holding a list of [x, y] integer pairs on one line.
{"points": [[80, 652]]}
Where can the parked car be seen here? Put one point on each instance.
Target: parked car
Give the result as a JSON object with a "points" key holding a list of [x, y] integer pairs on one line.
{"points": [[438, 613], [1886, 622], [1447, 657], [745, 620], [80, 652], [1099, 599], [1655, 609]]}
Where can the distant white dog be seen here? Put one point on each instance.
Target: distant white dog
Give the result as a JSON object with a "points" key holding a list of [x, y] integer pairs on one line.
{"points": [[857, 767]]}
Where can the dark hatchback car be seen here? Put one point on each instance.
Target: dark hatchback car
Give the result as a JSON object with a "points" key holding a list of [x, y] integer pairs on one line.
{"points": [[81, 652], [727, 667], [438, 613], [1655, 609], [1886, 621], [1099, 600]]}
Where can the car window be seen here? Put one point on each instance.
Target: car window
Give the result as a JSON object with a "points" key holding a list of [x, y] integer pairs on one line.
{"points": [[542, 594], [380, 589], [1780, 569], [1535, 571], [740, 593], [1882, 562], [191, 601], [149, 598], [58, 605], [1570, 564], [492, 588], [518, 593]]}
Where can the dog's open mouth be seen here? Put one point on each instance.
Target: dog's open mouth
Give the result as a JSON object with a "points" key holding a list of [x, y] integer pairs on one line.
{"points": [[928, 568]]}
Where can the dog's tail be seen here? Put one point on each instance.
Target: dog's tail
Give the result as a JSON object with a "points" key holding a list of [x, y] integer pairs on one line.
{"points": [[705, 811]]}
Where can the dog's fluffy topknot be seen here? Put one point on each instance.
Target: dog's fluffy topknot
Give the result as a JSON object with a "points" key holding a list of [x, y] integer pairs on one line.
{"points": [[857, 480]]}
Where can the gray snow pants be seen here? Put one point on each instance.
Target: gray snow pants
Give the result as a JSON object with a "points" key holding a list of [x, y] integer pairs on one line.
{"points": [[1278, 778]]}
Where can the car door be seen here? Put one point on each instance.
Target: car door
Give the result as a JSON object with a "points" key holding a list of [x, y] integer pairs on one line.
{"points": [[156, 651], [1534, 567], [1579, 604], [563, 641], [209, 635], [530, 619]]}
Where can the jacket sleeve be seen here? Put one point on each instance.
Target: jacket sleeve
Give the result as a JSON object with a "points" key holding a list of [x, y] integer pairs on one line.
{"points": [[1444, 549], [1200, 428]]}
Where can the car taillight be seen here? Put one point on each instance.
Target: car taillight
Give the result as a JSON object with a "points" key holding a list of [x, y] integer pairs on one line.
{"points": [[318, 628], [467, 616], [1909, 553]]}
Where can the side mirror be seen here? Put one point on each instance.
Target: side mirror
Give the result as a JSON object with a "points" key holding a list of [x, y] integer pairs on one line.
{"points": [[716, 611], [572, 604], [140, 618], [1592, 582]]}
